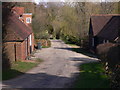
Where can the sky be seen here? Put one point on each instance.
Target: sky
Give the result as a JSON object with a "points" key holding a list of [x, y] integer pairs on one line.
{"points": [[37, 1]]}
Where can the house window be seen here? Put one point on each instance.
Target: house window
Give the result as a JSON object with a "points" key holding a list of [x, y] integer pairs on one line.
{"points": [[28, 20]]}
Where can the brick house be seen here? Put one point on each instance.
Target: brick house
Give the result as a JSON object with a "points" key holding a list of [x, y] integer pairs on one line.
{"points": [[103, 29], [19, 36], [18, 10]]}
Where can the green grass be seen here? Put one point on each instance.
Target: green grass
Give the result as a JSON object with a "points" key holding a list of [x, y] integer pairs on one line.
{"points": [[45, 46], [92, 75], [84, 51], [18, 68], [73, 45]]}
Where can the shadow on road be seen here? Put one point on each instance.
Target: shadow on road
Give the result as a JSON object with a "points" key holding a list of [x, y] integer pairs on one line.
{"points": [[80, 50], [39, 80], [10, 73], [44, 80], [81, 59]]}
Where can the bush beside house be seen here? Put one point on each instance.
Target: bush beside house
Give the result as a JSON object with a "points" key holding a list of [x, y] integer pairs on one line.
{"points": [[104, 39], [109, 54]]}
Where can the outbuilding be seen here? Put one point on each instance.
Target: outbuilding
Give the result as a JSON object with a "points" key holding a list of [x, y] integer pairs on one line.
{"points": [[104, 28]]}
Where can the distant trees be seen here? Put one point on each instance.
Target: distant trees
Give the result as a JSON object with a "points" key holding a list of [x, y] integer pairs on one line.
{"points": [[68, 21], [40, 22], [28, 6], [109, 7]]}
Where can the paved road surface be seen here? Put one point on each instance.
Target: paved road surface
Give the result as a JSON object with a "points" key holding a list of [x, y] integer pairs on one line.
{"points": [[59, 69]]}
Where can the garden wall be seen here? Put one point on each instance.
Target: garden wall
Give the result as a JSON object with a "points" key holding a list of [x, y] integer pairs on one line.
{"points": [[44, 42]]}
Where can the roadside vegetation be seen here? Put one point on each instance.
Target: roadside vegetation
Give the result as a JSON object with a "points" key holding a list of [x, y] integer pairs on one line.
{"points": [[82, 50], [44, 43], [92, 75], [18, 68], [68, 21], [109, 53]]}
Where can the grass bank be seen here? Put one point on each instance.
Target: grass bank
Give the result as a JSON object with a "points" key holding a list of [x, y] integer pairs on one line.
{"points": [[78, 49], [19, 68], [92, 75], [84, 51]]}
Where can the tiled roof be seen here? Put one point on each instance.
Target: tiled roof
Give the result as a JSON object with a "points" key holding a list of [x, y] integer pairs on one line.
{"points": [[111, 29], [106, 26], [19, 28], [98, 22]]}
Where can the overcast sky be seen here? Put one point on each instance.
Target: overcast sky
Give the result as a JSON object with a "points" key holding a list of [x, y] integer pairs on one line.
{"points": [[37, 1]]}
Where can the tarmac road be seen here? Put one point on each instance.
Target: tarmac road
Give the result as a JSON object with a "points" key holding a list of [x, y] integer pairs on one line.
{"points": [[58, 70]]}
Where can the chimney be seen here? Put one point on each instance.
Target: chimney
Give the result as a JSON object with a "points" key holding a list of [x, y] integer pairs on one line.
{"points": [[18, 10]]}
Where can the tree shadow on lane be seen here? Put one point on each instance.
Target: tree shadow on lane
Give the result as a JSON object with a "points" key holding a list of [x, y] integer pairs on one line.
{"points": [[39, 80], [83, 60], [80, 50], [10, 73]]}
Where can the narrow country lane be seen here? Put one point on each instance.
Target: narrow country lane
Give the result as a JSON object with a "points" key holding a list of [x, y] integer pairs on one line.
{"points": [[59, 69]]}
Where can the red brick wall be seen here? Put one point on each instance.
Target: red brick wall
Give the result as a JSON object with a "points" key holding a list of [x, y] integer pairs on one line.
{"points": [[22, 49], [11, 48], [18, 51], [32, 41], [28, 46], [25, 50]]}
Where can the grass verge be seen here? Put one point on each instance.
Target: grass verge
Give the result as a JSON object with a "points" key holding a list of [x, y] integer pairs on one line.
{"points": [[45, 46], [77, 49], [92, 75], [72, 44], [18, 68]]}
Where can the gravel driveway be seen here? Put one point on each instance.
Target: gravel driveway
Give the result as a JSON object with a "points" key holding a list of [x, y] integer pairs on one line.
{"points": [[59, 69]]}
